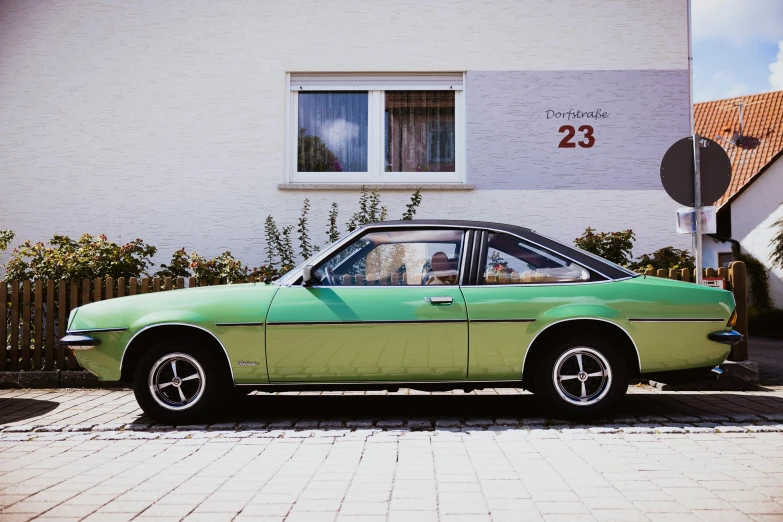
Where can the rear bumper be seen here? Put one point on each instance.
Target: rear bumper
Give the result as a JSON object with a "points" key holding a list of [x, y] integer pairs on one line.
{"points": [[79, 342], [726, 337]]}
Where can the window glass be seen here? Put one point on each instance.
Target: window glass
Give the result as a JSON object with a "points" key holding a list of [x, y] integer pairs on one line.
{"points": [[420, 131], [510, 261], [395, 258], [332, 133]]}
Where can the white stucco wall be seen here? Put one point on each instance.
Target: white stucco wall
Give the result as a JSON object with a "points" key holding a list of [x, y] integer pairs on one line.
{"points": [[752, 215], [165, 119]]}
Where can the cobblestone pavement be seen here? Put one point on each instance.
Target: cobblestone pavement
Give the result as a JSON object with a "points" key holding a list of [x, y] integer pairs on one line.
{"points": [[491, 455]]}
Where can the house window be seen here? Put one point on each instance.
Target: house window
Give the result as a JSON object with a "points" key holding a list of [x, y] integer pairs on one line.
{"points": [[725, 259], [375, 129]]}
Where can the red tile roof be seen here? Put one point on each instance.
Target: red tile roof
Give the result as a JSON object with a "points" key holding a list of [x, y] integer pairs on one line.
{"points": [[762, 133]]}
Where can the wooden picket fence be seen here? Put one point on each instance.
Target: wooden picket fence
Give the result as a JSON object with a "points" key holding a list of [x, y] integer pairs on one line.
{"points": [[34, 315]]}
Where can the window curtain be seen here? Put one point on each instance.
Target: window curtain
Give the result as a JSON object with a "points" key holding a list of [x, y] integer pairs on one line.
{"points": [[419, 131]]}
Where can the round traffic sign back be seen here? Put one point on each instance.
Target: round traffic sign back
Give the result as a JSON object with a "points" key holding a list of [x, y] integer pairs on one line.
{"points": [[677, 171]]}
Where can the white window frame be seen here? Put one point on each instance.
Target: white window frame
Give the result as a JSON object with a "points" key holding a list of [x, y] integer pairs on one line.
{"points": [[376, 161]]}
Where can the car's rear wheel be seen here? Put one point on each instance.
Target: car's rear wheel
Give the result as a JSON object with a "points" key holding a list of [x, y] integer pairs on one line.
{"points": [[177, 383], [582, 377]]}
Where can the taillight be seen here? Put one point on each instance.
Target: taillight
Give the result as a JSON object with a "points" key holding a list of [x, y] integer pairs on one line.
{"points": [[732, 320]]}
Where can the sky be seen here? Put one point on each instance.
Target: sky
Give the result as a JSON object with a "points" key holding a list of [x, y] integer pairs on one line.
{"points": [[737, 48]]}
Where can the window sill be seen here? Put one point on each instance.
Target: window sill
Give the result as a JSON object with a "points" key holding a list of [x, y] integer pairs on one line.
{"points": [[379, 186]]}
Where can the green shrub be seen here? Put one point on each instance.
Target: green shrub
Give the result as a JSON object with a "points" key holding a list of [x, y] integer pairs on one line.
{"points": [[765, 323], [776, 243], [614, 246], [666, 258], [6, 236], [88, 257]]}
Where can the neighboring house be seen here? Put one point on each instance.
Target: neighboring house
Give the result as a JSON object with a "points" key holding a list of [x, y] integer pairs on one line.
{"points": [[754, 200], [186, 123]]}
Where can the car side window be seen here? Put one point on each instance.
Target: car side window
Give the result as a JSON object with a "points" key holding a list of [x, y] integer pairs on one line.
{"points": [[512, 261], [395, 258]]}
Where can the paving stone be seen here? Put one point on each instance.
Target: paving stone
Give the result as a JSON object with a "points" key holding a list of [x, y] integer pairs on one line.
{"points": [[331, 424], [138, 426], [19, 429], [88, 426], [533, 421], [743, 417], [192, 427], [774, 417], [603, 430], [447, 423], [359, 424], [764, 428], [162, 428], [222, 426], [637, 430], [306, 424], [389, 424], [730, 429], [508, 422], [420, 424], [251, 425], [112, 426], [670, 429], [281, 424], [477, 423]]}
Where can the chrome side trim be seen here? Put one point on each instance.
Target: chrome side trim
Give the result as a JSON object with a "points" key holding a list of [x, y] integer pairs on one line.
{"points": [[95, 330], [533, 340], [341, 323], [378, 384], [413, 224], [502, 320], [125, 350], [565, 283], [239, 324], [675, 320]]}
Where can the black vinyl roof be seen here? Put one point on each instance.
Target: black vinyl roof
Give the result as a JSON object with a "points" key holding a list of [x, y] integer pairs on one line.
{"points": [[591, 261]]}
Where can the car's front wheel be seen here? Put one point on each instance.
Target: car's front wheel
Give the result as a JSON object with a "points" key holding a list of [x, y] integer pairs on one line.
{"points": [[177, 383], [582, 377]]}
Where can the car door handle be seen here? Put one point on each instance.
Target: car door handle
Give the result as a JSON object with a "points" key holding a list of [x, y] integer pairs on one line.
{"points": [[436, 300]]}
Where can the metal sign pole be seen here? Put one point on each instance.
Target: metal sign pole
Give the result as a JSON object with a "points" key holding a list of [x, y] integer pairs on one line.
{"points": [[697, 206], [696, 163]]}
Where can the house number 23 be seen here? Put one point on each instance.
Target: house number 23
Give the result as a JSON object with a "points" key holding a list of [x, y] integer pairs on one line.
{"points": [[587, 141]]}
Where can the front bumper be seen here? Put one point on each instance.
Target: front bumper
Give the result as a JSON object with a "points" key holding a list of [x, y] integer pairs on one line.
{"points": [[79, 341], [726, 337]]}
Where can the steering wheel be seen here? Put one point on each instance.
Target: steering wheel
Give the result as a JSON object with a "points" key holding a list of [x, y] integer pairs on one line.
{"points": [[330, 278]]}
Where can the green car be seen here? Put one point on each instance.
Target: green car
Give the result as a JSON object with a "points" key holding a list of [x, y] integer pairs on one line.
{"points": [[422, 304]]}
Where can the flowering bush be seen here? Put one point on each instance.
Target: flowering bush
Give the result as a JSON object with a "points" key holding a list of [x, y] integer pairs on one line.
{"points": [[6, 236], [614, 246], [89, 257], [666, 258]]}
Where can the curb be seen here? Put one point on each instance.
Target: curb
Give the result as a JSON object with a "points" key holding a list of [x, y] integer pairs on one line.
{"points": [[52, 379]]}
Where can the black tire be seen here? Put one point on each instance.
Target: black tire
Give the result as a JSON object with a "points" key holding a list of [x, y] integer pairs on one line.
{"points": [[200, 383], [583, 394]]}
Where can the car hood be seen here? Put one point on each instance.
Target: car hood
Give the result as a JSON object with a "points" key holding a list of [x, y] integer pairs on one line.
{"points": [[247, 302]]}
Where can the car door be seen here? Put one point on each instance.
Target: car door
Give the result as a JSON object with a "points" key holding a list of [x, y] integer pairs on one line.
{"points": [[385, 307], [511, 285]]}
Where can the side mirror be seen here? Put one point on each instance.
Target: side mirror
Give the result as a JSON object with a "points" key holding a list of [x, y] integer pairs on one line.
{"points": [[307, 275]]}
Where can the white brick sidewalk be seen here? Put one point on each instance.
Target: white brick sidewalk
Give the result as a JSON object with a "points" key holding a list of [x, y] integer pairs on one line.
{"points": [[368, 474], [491, 455]]}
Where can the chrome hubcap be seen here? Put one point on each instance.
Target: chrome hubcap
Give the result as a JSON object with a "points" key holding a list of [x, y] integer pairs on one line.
{"points": [[582, 376], [176, 381]]}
